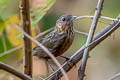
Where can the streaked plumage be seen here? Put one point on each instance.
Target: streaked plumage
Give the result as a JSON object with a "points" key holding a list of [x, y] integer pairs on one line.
{"points": [[58, 40]]}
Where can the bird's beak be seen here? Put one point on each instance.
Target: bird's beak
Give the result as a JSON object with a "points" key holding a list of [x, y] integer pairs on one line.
{"points": [[73, 17]]}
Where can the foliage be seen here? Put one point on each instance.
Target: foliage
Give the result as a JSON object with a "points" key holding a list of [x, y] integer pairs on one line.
{"points": [[2, 25], [8, 46], [9, 21], [2, 3], [39, 15], [11, 30]]}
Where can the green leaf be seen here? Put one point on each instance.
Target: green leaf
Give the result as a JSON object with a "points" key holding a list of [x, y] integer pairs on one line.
{"points": [[36, 20], [2, 25], [2, 2], [8, 46], [50, 4], [39, 15], [2, 5]]}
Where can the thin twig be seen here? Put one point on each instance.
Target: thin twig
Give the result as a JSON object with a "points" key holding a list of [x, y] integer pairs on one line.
{"points": [[77, 56], [43, 33], [11, 51], [78, 32], [41, 78], [46, 50], [25, 19], [115, 76], [81, 71], [104, 17], [21, 46], [14, 71]]}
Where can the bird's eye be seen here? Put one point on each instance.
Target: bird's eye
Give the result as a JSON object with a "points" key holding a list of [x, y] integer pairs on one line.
{"points": [[63, 19]]}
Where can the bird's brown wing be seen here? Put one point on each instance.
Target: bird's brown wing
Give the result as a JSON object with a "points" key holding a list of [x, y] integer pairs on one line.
{"points": [[53, 41]]}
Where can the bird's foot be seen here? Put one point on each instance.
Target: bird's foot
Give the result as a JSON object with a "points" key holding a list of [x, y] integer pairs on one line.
{"points": [[68, 58]]}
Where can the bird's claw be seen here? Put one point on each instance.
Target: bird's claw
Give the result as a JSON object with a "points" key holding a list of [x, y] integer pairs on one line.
{"points": [[68, 58]]}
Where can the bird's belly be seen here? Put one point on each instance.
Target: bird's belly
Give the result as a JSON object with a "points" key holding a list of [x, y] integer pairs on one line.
{"points": [[64, 48], [60, 48]]}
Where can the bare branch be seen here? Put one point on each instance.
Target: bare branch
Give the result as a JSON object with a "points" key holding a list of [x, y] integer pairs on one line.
{"points": [[104, 17], [25, 19], [46, 50], [77, 56], [43, 33], [81, 71], [78, 32], [14, 71], [115, 76], [11, 51]]}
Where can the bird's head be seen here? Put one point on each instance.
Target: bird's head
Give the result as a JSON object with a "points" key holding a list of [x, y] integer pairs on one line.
{"points": [[65, 22]]}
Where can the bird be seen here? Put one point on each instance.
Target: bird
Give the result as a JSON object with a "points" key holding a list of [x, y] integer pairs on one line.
{"points": [[59, 39]]}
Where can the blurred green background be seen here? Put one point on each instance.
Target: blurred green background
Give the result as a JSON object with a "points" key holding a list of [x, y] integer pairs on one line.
{"points": [[105, 58]]}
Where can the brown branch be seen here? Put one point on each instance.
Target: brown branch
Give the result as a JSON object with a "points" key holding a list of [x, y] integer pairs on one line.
{"points": [[81, 71], [77, 56], [25, 19], [14, 71]]}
